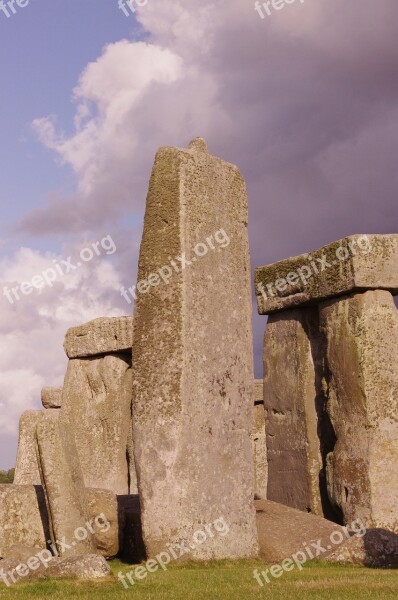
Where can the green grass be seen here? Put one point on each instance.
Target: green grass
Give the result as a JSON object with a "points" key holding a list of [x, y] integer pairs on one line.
{"points": [[229, 580]]}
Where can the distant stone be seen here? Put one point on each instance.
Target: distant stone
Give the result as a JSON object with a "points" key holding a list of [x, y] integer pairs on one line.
{"points": [[27, 469], [100, 336], [97, 396], [294, 407], [355, 263], [361, 334], [23, 517], [51, 397], [63, 485], [259, 442]]}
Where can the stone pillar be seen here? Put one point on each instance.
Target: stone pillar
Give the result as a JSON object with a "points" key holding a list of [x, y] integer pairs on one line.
{"points": [[259, 442], [347, 286], [362, 354], [26, 468], [294, 406], [64, 489], [96, 401], [192, 357]]}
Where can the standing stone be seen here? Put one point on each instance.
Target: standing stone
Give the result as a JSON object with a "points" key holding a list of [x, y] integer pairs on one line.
{"points": [[27, 469], [96, 406], [64, 488], [193, 365], [259, 443], [23, 517], [51, 397], [100, 336], [294, 403], [362, 354]]}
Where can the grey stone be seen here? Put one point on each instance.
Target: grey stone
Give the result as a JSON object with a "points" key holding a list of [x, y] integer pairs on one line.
{"points": [[63, 486], [259, 443], [96, 407], [27, 469], [23, 517], [193, 364], [100, 336], [285, 531], [40, 566], [295, 410], [355, 263], [51, 397], [361, 331], [376, 548]]}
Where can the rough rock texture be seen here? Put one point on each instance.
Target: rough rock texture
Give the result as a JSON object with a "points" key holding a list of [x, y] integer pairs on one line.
{"points": [[193, 366], [103, 511], [100, 336], [23, 517], [96, 407], [80, 567], [51, 397], [355, 263], [377, 548], [259, 443], [362, 355], [295, 411], [283, 531], [26, 469], [63, 485]]}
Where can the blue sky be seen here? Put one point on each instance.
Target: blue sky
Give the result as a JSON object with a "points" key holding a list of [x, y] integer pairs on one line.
{"points": [[46, 45], [304, 101]]}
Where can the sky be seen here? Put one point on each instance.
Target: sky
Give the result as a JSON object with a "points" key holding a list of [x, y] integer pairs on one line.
{"points": [[303, 100]]}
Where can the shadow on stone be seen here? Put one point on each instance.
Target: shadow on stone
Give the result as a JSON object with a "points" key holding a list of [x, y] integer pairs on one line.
{"points": [[131, 542]]}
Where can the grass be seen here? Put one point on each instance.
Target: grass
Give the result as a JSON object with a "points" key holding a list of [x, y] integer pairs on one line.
{"points": [[229, 580]]}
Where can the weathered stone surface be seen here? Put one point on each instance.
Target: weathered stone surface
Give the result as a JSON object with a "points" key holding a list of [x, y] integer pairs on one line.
{"points": [[362, 354], [103, 511], [355, 263], [96, 407], [51, 397], [283, 531], [377, 548], [63, 485], [23, 517], [100, 336], [85, 567], [26, 468], [193, 366], [259, 443], [295, 411]]}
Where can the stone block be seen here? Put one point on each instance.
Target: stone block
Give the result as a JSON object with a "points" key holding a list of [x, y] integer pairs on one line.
{"points": [[100, 336], [355, 263], [51, 397]]}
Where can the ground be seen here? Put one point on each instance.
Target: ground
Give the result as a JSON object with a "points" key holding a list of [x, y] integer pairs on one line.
{"points": [[229, 580]]}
